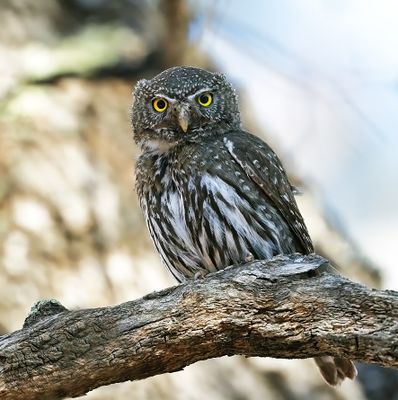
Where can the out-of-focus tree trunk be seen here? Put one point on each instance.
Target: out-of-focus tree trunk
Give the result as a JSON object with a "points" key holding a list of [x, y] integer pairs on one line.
{"points": [[174, 42]]}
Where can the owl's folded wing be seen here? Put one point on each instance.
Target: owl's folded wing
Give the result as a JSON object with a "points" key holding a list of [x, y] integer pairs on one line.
{"points": [[264, 168]]}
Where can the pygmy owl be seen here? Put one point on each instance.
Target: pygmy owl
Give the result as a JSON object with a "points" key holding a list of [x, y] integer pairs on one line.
{"points": [[212, 194]]}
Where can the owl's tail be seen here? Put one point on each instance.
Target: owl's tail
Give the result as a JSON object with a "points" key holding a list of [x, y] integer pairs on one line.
{"points": [[335, 369]]}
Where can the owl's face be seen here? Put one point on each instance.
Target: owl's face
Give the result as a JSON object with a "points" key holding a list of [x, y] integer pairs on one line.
{"points": [[181, 102]]}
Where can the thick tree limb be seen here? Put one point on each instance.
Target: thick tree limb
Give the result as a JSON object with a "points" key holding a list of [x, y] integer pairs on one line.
{"points": [[290, 307]]}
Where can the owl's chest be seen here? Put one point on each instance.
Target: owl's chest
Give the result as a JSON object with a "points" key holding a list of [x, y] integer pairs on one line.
{"points": [[158, 175], [203, 220], [168, 191], [193, 195]]}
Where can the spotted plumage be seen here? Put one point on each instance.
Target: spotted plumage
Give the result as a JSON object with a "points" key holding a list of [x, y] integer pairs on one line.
{"points": [[212, 194]]}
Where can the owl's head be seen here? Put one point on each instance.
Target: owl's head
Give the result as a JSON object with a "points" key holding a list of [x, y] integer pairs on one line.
{"points": [[181, 102]]}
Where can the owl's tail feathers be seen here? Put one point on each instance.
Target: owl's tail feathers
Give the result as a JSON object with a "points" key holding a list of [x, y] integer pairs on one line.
{"points": [[335, 369]]}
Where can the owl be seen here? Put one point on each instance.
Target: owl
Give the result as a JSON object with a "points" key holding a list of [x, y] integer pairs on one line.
{"points": [[212, 194]]}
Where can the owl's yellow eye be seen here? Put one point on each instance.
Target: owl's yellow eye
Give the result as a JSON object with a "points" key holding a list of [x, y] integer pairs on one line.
{"points": [[160, 104], [205, 99]]}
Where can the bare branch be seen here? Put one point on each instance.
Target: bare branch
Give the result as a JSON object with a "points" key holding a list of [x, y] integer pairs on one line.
{"points": [[290, 307]]}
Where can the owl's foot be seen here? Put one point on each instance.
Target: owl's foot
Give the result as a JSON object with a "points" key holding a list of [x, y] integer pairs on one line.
{"points": [[200, 275], [249, 258]]}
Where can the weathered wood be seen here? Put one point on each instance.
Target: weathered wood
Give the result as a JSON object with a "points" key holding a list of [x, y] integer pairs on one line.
{"points": [[290, 307]]}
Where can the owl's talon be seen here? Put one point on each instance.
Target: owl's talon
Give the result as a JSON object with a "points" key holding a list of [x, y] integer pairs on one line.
{"points": [[199, 275], [249, 258]]}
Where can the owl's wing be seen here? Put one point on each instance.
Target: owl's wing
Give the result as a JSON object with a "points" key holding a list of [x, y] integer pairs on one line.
{"points": [[264, 168]]}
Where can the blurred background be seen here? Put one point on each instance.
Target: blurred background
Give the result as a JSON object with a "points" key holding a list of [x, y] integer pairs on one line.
{"points": [[318, 80]]}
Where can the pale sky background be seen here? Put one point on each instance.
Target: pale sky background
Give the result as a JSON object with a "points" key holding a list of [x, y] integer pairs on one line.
{"points": [[322, 80]]}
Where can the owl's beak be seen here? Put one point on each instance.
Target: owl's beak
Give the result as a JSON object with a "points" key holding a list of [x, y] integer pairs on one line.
{"points": [[183, 119]]}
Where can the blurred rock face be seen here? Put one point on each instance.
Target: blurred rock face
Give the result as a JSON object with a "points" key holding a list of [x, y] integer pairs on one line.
{"points": [[70, 227], [69, 222]]}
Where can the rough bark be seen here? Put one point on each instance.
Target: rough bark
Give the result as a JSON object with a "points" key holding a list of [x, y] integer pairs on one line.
{"points": [[290, 307]]}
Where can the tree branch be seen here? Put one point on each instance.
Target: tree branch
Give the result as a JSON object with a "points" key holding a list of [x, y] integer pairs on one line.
{"points": [[290, 307]]}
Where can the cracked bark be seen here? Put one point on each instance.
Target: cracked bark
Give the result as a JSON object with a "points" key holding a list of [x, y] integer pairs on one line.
{"points": [[290, 307]]}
